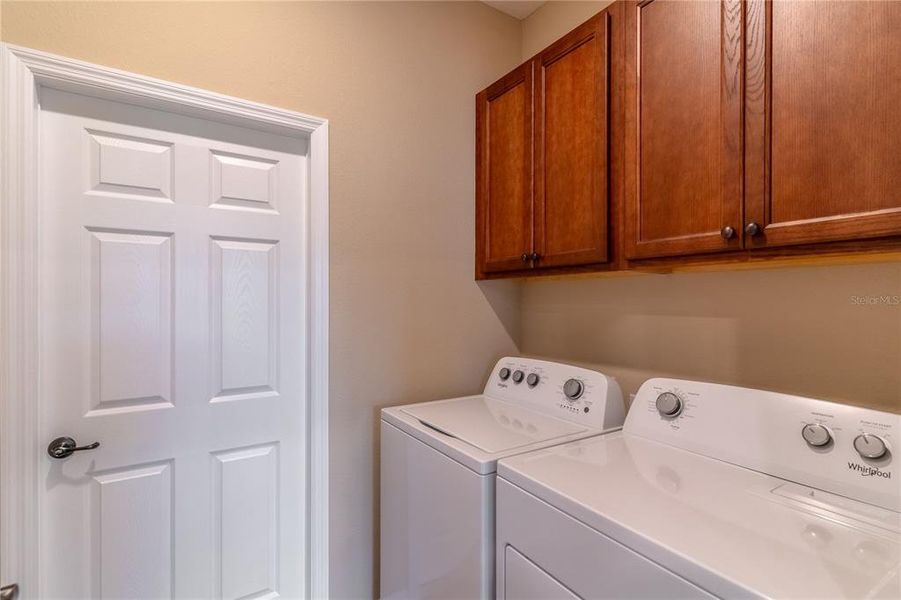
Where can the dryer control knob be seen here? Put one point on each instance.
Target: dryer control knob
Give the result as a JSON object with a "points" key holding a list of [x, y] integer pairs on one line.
{"points": [[870, 446], [533, 379], [816, 435], [518, 376], [504, 374], [669, 405], [573, 389]]}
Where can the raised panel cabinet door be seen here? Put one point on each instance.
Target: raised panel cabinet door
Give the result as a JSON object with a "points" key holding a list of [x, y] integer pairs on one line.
{"points": [[571, 147], [683, 127], [504, 212], [823, 149]]}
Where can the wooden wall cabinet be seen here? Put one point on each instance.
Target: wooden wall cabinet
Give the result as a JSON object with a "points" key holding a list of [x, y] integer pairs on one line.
{"points": [[572, 134], [683, 127], [504, 199], [754, 125], [543, 168], [823, 121], [664, 134]]}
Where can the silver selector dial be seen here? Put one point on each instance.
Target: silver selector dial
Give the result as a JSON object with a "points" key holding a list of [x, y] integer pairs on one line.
{"points": [[870, 446], [517, 376], [669, 404], [533, 379], [816, 435], [573, 389], [504, 374]]}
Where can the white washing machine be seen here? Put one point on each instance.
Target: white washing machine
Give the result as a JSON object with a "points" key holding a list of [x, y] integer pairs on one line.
{"points": [[708, 491], [438, 462]]}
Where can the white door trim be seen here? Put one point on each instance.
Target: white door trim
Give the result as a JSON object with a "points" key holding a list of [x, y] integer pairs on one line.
{"points": [[23, 71]]}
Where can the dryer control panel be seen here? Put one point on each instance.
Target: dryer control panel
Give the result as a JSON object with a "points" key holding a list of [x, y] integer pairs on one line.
{"points": [[847, 450], [565, 391]]}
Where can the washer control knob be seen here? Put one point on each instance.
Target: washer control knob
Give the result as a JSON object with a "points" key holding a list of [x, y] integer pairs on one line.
{"points": [[504, 374], [573, 389], [669, 404], [816, 435], [870, 446], [533, 379], [517, 376]]}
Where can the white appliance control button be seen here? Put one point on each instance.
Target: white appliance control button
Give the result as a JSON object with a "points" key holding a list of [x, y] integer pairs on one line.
{"points": [[816, 435], [504, 374], [870, 446], [533, 379], [573, 389], [669, 404], [517, 376]]}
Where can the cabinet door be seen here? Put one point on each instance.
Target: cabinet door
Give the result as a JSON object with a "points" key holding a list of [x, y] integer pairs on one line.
{"points": [[571, 147], [823, 121], [683, 127], [504, 211]]}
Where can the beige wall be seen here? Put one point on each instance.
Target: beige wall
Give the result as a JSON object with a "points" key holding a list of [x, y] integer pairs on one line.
{"points": [[552, 20], [795, 330], [397, 82]]}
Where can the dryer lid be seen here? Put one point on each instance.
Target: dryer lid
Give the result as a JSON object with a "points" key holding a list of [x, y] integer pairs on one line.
{"points": [[729, 530], [491, 425]]}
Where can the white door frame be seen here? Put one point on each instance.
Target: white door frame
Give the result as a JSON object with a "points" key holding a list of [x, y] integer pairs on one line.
{"points": [[24, 72]]}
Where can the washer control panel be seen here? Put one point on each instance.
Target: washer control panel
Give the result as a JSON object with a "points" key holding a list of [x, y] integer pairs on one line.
{"points": [[838, 448], [566, 391]]}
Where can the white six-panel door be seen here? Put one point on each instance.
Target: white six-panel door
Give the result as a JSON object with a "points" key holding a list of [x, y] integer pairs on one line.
{"points": [[172, 287]]}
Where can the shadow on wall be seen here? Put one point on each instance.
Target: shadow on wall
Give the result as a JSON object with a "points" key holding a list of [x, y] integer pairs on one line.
{"points": [[505, 299], [827, 332]]}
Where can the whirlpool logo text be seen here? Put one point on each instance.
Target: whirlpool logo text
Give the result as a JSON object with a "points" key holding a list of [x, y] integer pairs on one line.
{"points": [[866, 471]]}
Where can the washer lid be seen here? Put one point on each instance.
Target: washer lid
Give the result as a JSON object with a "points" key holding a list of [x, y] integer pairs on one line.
{"points": [[491, 425]]}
